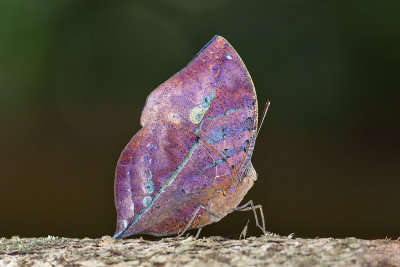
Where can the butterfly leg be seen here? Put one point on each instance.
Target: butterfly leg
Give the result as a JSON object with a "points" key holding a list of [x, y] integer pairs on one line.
{"points": [[246, 207], [198, 233], [194, 217]]}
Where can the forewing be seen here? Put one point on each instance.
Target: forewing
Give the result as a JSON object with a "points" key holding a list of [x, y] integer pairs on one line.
{"points": [[213, 97]]}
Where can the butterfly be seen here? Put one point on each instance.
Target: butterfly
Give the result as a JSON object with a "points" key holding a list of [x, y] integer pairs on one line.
{"points": [[189, 165]]}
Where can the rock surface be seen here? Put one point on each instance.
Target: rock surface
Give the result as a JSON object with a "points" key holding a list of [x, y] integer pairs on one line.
{"points": [[212, 251]]}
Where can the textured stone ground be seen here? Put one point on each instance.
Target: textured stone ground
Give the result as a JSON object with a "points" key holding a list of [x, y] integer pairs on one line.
{"points": [[212, 251]]}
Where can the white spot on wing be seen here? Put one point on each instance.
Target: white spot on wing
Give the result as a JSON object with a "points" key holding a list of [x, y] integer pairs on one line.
{"points": [[147, 201], [228, 56], [196, 115]]}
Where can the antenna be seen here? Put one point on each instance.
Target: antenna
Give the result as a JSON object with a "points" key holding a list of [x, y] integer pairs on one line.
{"points": [[263, 116]]}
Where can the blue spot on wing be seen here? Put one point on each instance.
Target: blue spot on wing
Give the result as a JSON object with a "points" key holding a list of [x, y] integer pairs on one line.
{"points": [[217, 135]]}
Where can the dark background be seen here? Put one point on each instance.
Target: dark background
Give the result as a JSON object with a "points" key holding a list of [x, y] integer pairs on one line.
{"points": [[74, 76]]}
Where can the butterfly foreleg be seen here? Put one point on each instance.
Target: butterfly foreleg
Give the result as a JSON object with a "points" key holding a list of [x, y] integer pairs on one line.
{"points": [[194, 217], [246, 207]]}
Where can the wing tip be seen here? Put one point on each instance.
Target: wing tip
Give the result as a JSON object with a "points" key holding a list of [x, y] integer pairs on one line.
{"points": [[216, 38]]}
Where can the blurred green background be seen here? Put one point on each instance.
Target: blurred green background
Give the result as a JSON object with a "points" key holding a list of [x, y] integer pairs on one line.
{"points": [[74, 76]]}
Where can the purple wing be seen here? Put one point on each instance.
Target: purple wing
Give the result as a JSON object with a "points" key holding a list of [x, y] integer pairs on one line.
{"points": [[163, 175], [197, 138], [213, 97]]}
